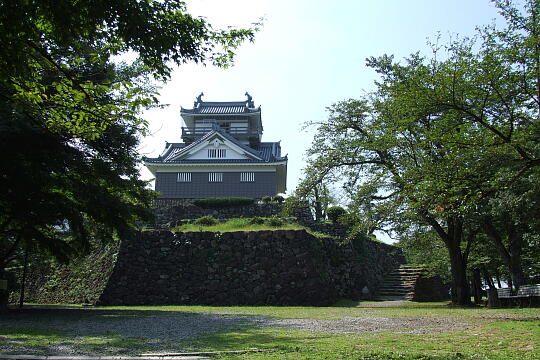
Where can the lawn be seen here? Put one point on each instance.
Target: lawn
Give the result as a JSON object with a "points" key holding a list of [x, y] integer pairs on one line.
{"points": [[240, 224], [246, 224], [445, 332]]}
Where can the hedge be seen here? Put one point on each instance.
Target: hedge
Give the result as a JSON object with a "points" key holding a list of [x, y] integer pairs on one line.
{"points": [[219, 203]]}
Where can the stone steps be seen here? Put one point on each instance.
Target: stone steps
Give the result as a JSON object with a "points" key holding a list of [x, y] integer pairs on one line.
{"points": [[399, 284]]}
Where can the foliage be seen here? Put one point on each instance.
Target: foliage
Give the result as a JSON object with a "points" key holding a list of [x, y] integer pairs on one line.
{"points": [[206, 221], [257, 220], [241, 224], [279, 199], [420, 247], [266, 199], [274, 221], [290, 205], [221, 203], [43, 40], [441, 136], [61, 191], [70, 115], [317, 195], [334, 213]]}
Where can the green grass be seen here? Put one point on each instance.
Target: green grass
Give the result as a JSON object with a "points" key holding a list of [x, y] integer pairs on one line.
{"points": [[238, 224], [345, 308], [491, 334], [481, 342], [243, 224]]}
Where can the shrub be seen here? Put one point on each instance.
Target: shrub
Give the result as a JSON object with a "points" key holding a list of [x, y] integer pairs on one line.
{"points": [[279, 199], [257, 220], [291, 204], [335, 212], [206, 221], [219, 203], [266, 199], [274, 221]]}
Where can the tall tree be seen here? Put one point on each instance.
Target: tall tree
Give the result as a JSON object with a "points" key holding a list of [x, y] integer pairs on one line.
{"points": [[439, 136], [45, 38], [70, 117], [318, 197]]}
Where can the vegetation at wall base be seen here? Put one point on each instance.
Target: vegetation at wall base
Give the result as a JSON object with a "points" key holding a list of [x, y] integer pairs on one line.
{"points": [[206, 221], [266, 199], [221, 203], [278, 198]]}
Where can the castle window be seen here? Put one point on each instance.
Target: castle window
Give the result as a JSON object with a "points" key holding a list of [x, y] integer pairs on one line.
{"points": [[217, 153], [215, 177], [247, 177], [183, 177]]}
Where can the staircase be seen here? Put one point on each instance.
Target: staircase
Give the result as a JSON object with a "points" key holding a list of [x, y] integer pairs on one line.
{"points": [[399, 284]]}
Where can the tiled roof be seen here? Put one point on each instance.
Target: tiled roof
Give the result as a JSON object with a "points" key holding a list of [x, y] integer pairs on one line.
{"points": [[267, 151], [213, 161], [233, 107]]}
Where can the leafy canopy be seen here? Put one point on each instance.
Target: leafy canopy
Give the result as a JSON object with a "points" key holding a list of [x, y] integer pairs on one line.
{"points": [[70, 112], [42, 39], [440, 136]]}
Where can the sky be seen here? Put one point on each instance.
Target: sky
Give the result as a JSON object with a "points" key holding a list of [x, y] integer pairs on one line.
{"points": [[307, 56]]}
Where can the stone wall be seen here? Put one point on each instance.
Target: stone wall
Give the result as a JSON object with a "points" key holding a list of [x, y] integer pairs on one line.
{"points": [[168, 212], [185, 209], [282, 267]]}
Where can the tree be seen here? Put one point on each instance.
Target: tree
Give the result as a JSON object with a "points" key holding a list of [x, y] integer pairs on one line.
{"points": [[45, 38], [318, 196], [438, 137], [335, 212], [70, 115]]}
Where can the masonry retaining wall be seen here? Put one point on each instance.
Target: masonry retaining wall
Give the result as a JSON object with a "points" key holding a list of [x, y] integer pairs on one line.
{"points": [[283, 267]]}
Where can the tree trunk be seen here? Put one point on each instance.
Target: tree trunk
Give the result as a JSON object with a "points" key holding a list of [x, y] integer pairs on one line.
{"points": [[4, 295], [318, 206], [516, 270], [460, 285], [23, 279], [498, 278], [452, 238], [477, 286], [511, 256]]}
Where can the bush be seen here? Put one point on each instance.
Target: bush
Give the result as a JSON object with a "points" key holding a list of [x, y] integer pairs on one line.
{"points": [[335, 212], [291, 204], [257, 220], [274, 221], [279, 199], [206, 221], [266, 199], [219, 203]]}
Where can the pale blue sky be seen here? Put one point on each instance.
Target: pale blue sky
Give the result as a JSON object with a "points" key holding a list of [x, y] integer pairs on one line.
{"points": [[308, 55]]}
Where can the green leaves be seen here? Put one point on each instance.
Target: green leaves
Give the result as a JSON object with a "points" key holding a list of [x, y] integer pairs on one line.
{"points": [[42, 42]]}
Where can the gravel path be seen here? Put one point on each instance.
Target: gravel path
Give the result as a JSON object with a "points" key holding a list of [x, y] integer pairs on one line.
{"points": [[163, 330], [416, 325]]}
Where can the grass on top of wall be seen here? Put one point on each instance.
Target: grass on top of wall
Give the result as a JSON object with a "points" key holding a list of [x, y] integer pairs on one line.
{"points": [[247, 224], [239, 224]]}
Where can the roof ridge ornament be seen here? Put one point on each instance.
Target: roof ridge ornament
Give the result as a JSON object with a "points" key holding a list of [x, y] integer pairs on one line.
{"points": [[249, 101], [198, 100]]}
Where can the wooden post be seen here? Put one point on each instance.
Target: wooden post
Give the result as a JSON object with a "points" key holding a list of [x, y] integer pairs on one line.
{"points": [[23, 278]]}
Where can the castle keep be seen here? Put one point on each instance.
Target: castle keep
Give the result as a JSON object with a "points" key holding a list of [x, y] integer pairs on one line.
{"points": [[221, 155]]}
